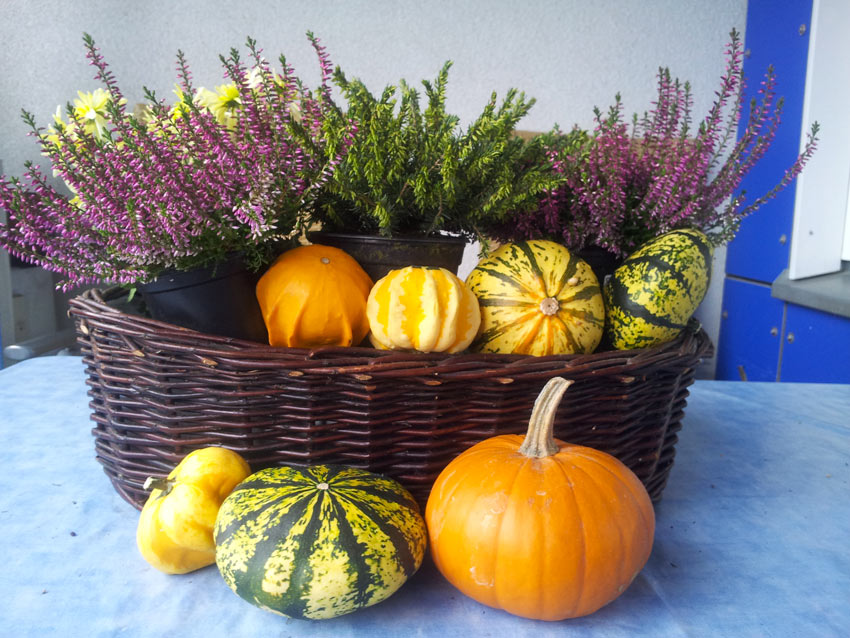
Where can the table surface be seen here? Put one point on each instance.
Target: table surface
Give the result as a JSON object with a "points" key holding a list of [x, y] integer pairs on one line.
{"points": [[752, 538]]}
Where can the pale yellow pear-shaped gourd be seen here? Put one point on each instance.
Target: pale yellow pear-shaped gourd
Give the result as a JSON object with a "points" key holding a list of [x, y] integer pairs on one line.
{"points": [[424, 309], [175, 529]]}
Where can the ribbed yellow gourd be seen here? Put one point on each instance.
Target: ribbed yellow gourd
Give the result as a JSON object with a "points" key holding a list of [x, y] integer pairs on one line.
{"points": [[314, 295], [424, 309], [537, 298]]}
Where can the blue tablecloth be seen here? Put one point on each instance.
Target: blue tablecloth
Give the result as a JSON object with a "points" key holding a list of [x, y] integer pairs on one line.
{"points": [[753, 533]]}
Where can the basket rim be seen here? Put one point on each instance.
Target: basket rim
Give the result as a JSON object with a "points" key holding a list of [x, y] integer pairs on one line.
{"points": [[92, 309], [381, 239]]}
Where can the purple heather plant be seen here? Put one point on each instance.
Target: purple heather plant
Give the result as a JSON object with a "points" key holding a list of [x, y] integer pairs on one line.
{"points": [[621, 187], [175, 188]]}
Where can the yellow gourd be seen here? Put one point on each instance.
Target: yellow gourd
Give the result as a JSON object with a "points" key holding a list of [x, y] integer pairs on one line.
{"points": [[422, 308], [175, 531], [314, 295]]}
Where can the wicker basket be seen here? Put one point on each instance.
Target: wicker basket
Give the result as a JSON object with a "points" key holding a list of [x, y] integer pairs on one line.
{"points": [[159, 391]]}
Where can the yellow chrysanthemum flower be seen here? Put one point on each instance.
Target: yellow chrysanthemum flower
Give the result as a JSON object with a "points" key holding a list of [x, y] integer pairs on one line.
{"points": [[295, 111], [181, 106], [90, 111], [255, 78], [222, 103], [59, 125]]}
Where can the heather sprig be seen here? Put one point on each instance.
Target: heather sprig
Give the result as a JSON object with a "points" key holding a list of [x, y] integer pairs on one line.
{"points": [[178, 186], [622, 185]]}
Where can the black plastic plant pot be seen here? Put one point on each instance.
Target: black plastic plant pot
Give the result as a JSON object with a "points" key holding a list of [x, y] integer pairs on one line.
{"points": [[602, 262], [379, 255], [219, 300]]}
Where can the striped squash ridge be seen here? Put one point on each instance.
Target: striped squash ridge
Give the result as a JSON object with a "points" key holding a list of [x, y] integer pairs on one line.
{"points": [[318, 542], [536, 298], [653, 294]]}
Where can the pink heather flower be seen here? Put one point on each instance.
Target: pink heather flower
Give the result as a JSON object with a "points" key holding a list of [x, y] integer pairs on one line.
{"points": [[621, 188], [173, 191]]}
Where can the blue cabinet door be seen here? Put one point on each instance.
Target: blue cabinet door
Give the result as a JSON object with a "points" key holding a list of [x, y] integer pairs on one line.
{"points": [[816, 348], [777, 34], [750, 333]]}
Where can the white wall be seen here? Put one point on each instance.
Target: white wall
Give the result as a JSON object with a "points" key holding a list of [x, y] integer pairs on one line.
{"points": [[571, 54]]}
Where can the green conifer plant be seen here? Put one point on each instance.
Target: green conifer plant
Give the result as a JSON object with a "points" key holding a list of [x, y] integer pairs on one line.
{"points": [[414, 171]]}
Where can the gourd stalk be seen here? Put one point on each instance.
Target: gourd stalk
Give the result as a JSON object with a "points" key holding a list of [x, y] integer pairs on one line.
{"points": [[163, 484], [539, 440]]}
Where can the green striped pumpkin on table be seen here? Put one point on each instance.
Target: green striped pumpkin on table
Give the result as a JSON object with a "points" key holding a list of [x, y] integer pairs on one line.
{"points": [[318, 542], [652, 295], [536, 298]]}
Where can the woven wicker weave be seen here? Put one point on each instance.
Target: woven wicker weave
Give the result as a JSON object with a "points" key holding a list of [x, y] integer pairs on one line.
{"points": [[159, 391]]}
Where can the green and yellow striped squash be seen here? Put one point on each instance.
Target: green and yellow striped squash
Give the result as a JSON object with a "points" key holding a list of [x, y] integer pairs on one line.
{"points": [[318, 542], [537, 298], [652, 295]]}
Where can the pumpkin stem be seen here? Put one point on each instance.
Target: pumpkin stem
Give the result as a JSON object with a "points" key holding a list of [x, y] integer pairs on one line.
{"points": [[539, 440]]}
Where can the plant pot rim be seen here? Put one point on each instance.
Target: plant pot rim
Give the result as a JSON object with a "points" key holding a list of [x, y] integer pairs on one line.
{"points": [[173, 278], [381, 239]]}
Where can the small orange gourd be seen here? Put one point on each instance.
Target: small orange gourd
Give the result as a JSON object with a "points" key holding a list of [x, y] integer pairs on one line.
{"points": [[538, 527], [314, 295]]}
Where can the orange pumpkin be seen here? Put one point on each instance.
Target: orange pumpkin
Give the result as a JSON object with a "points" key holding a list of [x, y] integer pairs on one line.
{"points": [[538, 527], [314, 295]]}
